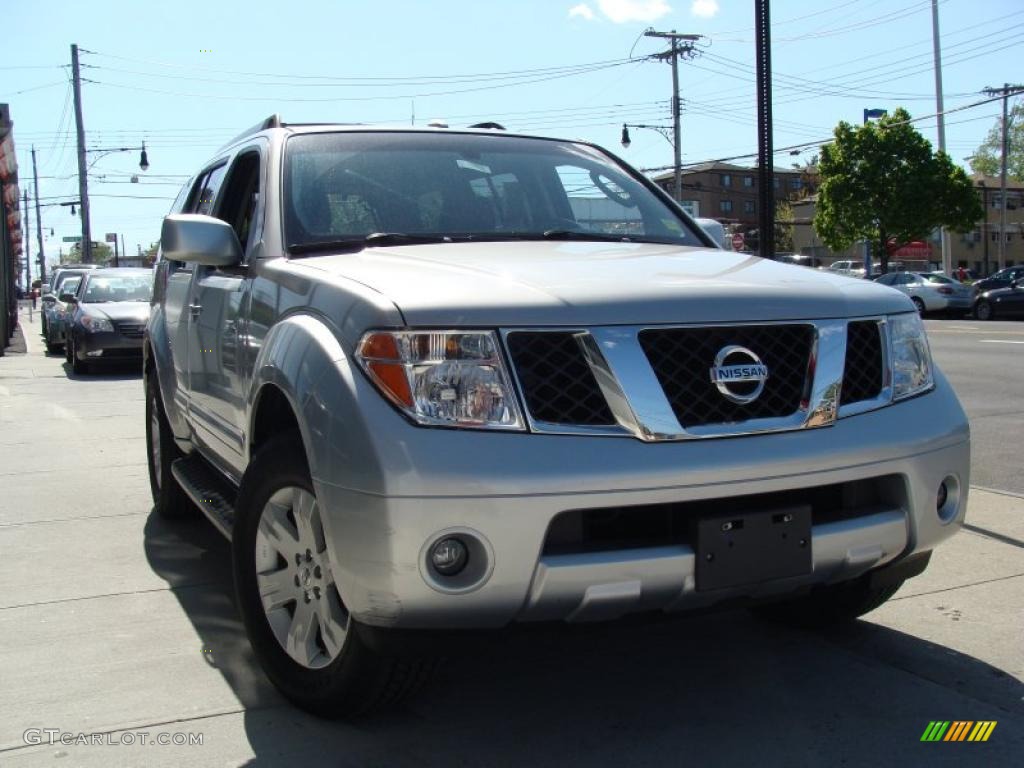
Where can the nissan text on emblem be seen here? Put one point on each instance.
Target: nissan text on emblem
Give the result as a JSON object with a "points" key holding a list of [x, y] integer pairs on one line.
{"points": [[739, 374]]}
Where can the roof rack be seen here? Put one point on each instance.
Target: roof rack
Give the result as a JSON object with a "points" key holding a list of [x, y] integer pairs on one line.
{"points": [[274, 121]]}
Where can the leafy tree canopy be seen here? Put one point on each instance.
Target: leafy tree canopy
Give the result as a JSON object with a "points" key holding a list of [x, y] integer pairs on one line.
{"points": [[986, 159], [882, 182]]}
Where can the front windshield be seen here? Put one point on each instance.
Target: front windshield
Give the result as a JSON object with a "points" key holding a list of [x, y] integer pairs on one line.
{"points": [[68, 284], [345, 186], [104, 288]]}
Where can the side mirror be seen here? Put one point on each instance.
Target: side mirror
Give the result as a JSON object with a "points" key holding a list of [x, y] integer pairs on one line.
{"points": [[68, 298], [199, 239], [48, 298]]}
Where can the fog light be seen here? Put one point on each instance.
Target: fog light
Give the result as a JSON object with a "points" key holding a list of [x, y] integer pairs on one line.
{"points": [[942, 497], [449, 557]]}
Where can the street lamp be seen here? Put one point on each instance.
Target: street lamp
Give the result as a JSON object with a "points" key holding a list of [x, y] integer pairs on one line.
{"points": [[104, 151], [664, 131], [83, 182]]}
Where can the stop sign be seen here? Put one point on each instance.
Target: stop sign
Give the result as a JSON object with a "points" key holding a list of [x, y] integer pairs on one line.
{"points": [[737, 241]]}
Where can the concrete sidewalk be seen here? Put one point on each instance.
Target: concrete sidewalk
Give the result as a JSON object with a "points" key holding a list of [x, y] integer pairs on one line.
{"points": [[113, 621]]}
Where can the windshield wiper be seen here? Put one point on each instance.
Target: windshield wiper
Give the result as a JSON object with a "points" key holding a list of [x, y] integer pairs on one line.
{"points": [[371, 240]]}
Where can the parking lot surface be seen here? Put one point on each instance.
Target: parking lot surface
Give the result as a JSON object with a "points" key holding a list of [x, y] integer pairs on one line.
{"points": [[114, 622]]}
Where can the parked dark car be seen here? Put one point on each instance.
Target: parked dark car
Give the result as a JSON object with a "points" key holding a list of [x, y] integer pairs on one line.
{"points": [[108, 315], [1001, 279], [1001, 302]]}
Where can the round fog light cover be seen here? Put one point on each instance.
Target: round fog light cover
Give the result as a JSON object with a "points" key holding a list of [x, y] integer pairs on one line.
{"points": [[942, 496], [449, 556]]}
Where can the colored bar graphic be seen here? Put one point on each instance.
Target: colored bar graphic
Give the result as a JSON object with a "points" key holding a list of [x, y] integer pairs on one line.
{"points": [[958, 730]]}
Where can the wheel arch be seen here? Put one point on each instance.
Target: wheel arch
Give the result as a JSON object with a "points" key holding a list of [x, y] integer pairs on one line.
{"points": [[302, 379]]}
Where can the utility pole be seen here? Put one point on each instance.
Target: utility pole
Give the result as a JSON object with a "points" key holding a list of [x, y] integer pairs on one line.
{"points": [[947, 259], [682, 45], [27, 225], [1006, 91], [765, 153], [83, 179], [39, 221]]}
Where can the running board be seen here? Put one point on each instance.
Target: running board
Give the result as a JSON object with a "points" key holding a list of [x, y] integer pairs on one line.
{"points": [[211, 493]]}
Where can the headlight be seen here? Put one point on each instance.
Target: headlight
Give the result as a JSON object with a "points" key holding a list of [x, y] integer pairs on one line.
{"points": [[442, 378], [911, 358], [97, 324]]}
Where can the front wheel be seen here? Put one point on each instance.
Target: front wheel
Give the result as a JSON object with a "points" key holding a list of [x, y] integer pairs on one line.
{"points": [[919, 304], [830, 605], [78, 366], [285, 579], [983, 310]]}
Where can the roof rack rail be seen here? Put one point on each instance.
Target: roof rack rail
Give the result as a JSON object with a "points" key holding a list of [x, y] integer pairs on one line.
{"points": [[489, 125], [274, 121]]}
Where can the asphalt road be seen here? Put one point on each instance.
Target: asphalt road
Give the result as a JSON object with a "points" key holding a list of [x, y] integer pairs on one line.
{"points": [[114, 623], [985, 363]]}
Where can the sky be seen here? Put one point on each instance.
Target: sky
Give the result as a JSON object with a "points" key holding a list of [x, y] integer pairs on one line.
{"points": [[186, 78]]}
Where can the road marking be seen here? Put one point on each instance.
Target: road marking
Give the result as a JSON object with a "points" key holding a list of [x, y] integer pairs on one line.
{"points": [[999, 341]]}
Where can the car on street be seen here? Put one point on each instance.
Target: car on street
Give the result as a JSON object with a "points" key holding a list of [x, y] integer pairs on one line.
{"points": [[107, 317], [65, 280], [1001, 279], [930, 292], [419, 393], [1001, 302]]}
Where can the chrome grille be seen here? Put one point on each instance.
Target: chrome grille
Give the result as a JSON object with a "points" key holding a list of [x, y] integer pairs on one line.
{"points": [[862, 370], [682, 359], [558, 385]]}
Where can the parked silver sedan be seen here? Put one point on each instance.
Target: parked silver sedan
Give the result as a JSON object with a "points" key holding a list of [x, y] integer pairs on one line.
{"points": [[930, 293]]}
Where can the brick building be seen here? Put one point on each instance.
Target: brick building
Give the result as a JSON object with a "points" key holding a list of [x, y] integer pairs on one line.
{"points": [[729, 192]]}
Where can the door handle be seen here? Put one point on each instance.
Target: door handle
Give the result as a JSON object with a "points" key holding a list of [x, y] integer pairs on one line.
{"points": [[195, 309]]}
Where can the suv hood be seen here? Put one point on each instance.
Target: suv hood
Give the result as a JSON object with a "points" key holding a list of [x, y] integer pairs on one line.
{"points": [[587, 283]]}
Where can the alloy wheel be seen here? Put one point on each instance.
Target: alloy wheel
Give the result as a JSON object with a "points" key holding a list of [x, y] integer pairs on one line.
{"points": [[296, 581]]}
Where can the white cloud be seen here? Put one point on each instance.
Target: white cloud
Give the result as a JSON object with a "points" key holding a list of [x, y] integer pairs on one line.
{"points": [[704, 9], [621, 11], [582, 10]]}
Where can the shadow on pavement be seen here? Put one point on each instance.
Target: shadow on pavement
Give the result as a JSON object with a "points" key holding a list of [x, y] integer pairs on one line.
{"points": [[711, 689], [125, 370]]}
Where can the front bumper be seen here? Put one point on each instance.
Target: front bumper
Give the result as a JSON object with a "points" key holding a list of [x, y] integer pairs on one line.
{"points": [[506, 489], [107, 346]]}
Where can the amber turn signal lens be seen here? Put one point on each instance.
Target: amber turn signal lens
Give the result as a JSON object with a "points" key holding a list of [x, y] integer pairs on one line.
{"points": [[391, 377]]}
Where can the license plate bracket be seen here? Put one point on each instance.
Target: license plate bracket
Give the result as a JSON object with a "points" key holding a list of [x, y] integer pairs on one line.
{"points": [[735, 549]]}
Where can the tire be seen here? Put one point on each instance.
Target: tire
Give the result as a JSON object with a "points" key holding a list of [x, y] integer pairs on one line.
{"points": [[169, 500], [331, 671], [831, 605], [919, 304], [68, 349], [983, 310], [78, 366]]}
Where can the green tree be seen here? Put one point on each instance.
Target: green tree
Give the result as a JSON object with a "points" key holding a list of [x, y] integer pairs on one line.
{"points": [[101, 253], [987, 157], [881, 182]]}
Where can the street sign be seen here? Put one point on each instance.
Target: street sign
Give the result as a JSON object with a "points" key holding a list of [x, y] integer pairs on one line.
{"points": [[111, 237], [737, 241], [73, 239]]}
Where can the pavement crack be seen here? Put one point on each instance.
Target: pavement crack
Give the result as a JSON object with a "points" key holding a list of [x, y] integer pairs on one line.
{"points": [[959, 586], [175, 588]]}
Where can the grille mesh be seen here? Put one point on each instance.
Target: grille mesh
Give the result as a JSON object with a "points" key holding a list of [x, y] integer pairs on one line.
{"points": [[557, 383], [682, 359], [862, 372]]}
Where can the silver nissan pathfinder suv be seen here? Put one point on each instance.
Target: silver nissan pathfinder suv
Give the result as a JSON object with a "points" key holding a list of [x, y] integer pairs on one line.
{"points": [[435, 379]]}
